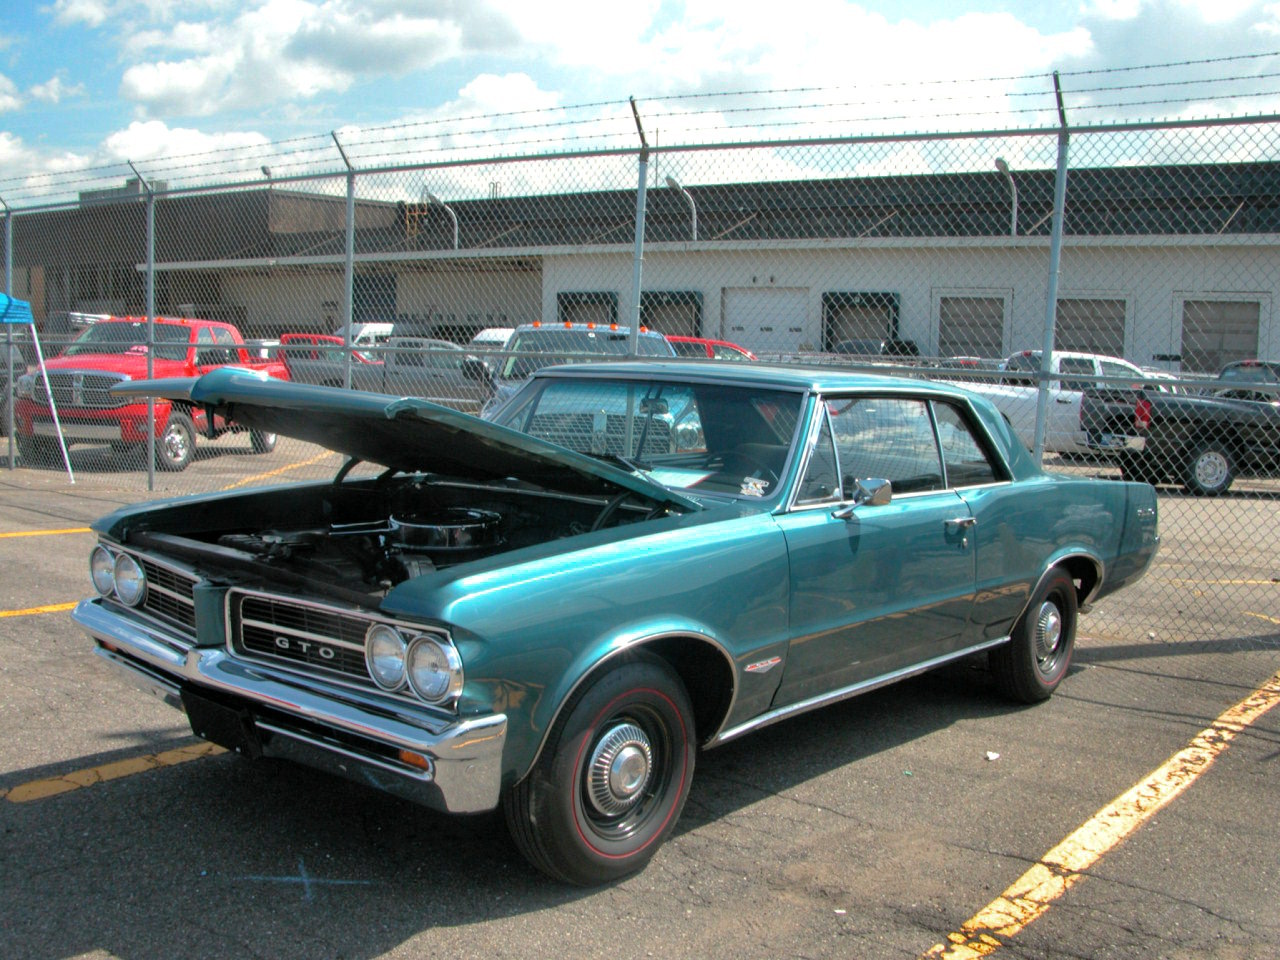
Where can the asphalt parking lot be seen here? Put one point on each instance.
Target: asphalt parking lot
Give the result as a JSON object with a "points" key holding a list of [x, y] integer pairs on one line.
{"points": [[875, 828]]}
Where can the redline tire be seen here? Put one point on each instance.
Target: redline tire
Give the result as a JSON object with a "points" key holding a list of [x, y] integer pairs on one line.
{"points": [[612, 779], [1031, 665]]}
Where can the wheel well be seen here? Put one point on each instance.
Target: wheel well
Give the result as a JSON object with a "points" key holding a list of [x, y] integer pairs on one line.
{"points": [[1084, 572], [707, 675]]}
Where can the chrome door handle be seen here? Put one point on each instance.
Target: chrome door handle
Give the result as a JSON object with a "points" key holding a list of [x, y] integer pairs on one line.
{"points": [[960, 523]]}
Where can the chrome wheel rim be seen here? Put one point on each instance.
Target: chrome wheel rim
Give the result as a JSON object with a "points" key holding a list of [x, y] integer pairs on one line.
{"points": [[620, 769], [1210, 469], [1048, 634], [175, 445]]}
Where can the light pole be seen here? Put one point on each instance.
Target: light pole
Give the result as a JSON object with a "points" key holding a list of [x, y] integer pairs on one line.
{"points": [[674, 184], [1003, 166], [432, 198]]}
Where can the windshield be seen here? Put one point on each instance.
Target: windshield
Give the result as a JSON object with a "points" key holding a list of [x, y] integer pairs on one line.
{"points": [[734, 440], [171, 340]]}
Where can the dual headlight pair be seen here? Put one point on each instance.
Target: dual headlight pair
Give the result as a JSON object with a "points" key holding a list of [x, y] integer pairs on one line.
{"points": [[427, 665], [118, 575]]}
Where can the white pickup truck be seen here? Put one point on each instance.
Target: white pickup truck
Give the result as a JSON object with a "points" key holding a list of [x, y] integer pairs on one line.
{"points": [[1016, 394]]}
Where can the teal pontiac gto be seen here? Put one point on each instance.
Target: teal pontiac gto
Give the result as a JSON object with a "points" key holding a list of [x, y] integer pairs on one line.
{"points": [[552, 611]]}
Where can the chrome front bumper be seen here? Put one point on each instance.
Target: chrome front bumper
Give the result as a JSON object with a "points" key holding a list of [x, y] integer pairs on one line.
{"points": [[459, 769]]}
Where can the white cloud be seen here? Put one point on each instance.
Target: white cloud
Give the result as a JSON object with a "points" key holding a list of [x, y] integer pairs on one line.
{"points": [[153, 140], [55, 90], [9, 97], [89, 13]]}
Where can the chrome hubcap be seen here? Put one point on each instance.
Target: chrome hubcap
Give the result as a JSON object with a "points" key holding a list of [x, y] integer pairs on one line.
{"points": [[620, 768], [175, 445], [1048, 632], [1211, 469]]}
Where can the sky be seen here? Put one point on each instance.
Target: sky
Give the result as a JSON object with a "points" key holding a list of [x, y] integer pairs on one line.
{"points": [[88, 83]]}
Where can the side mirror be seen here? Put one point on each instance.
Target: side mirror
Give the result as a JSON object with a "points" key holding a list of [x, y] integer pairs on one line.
{"points": [[867, 492]]}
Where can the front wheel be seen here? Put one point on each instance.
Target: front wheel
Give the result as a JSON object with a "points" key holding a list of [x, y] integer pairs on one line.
{"points": [[36, 450], [1032, 664], [176, 447], [612, 779]]}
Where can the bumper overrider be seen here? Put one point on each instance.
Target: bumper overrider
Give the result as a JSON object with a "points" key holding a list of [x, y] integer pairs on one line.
{"points": [[453, 765]]}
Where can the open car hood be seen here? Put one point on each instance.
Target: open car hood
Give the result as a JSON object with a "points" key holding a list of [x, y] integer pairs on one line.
{"points": [[404, 433]]}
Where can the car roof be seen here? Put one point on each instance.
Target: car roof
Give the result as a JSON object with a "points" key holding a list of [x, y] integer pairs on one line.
{"points": [[812, 379]]}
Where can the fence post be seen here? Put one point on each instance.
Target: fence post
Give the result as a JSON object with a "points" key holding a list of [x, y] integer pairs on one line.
{"points": [[349, 266], [8, 336], [1055, 258], [638, 260], [150, 281]]}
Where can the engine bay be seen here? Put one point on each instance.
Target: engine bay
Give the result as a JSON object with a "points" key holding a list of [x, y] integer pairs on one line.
{"points": [[362, 538]]}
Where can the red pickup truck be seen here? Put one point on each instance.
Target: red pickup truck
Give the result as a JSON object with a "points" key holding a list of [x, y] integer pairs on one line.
{"points": [[113, 350]]}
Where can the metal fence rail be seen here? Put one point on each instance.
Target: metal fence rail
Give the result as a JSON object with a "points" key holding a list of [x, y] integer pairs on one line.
{"points": [[1153, 246]]}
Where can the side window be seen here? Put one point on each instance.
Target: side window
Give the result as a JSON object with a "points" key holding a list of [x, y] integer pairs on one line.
{"points": [[966, 461], [1112, 369], [821, 481], [1078, 367], [889, 438]]}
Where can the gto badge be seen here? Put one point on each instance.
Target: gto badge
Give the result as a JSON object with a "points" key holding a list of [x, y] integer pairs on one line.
{"points": [[763, 666], [305, 647]]}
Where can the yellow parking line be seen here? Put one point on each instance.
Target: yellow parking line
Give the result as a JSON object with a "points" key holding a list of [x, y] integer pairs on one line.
{"points": [[43, 789], [1031, 895], [1263, 616], [275, 473], [1271, 583], [44, 533], [32, 611]]}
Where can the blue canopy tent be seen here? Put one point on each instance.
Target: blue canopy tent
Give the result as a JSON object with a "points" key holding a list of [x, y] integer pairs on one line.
{"points": [[14, 312]]}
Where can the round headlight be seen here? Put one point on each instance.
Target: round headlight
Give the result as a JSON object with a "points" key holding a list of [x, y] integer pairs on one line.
{"points": [[102, 570], [384, 656], [435, 670], [131, 582]]}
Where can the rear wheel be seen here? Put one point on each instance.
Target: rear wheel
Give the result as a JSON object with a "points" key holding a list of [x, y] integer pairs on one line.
{"points": [[176, 447], [1210, 469], [261, 441], [1032, 664], [612, 779]]}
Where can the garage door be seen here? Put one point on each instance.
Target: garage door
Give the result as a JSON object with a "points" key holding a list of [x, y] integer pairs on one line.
{"points": [[766, 321], [1090, 325], [1216, 332], [971, 326]]}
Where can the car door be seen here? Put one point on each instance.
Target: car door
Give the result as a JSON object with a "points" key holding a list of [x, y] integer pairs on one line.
{"points": [[874, 588]]}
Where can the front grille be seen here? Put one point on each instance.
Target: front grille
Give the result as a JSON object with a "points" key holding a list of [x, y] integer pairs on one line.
{"points": [[170, 594], [76, 389], [299, 635]]}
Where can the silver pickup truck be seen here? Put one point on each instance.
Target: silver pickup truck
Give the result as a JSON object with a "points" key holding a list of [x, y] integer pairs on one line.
{"points": [[436, 370]]}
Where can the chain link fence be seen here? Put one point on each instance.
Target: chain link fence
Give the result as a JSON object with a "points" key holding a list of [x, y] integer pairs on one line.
{"points": [[1157, 245]]}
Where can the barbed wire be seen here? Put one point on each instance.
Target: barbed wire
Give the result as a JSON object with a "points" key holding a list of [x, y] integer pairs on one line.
{"points": [[605, 124]]}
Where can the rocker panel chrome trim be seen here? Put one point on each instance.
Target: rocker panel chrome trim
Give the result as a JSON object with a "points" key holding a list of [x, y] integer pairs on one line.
{"points": [[844, 693]]}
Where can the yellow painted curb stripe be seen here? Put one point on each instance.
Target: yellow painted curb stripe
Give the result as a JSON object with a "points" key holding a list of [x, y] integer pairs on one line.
{"points": [[275, 473], [44, 533], [1263, 616], [32, 611], [1031, 895], [43, 789]]}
